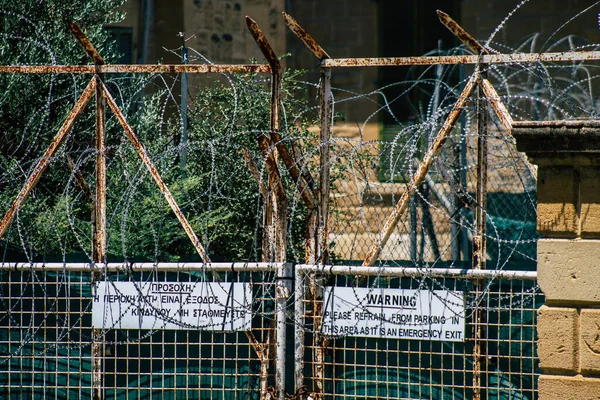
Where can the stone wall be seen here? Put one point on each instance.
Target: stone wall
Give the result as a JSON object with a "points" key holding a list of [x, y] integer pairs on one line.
{"points": [[568, 157]]}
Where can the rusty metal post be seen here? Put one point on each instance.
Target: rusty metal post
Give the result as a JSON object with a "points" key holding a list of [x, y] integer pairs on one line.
{"points": [[99, 232], [99, 205], [484, 88], [456, 222], [326, 98], [479, 239], [276, 218], [317, 219], [99, 228], [479, 251]]}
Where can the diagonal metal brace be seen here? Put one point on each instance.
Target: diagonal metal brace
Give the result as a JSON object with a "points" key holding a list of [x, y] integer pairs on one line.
{"points": [[141, 150], [493, 97], [44, 161], [303, 179], [434, 149], [85, 43], [303, 35], [461, 34]]}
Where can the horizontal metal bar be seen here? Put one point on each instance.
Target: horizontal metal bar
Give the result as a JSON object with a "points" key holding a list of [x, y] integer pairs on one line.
{"points": [[469, 274], [135, 68], [142, 267], [330, 63], [465, 59]]}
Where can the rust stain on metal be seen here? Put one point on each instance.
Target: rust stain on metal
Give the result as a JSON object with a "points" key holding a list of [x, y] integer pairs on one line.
{"points": [[479, 240], [85, 43], [479, 257], [141, 150], [303, 35], [263, 44], [136, 69], [41, 166], [99, 233], [514, 58], [419, 176], [460, 33], [497, 104], [97, 351], [326, 98]]}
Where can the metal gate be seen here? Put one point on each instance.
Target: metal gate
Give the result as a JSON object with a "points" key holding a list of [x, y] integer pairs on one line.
{"points": [[496, 358], [50, 348]]}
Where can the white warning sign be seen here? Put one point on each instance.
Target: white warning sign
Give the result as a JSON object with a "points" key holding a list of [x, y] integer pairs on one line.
{"points": [[436, 315], [212, 306]]}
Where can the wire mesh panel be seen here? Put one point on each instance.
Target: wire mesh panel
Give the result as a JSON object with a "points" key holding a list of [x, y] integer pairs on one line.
{"points": [[414, 357], [45, 335], [50, 347]]}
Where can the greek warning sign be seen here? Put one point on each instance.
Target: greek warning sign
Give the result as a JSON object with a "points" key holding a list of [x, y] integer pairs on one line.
{"points": [[435, 315], [172, 305]]}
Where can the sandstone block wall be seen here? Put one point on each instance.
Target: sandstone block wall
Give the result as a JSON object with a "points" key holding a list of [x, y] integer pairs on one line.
{"points": [[568, 325]]}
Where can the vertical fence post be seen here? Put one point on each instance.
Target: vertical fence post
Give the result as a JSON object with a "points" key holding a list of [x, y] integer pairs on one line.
{"points": [[326, 114], [298, 328], [99, 219], [456, 221], [323, 254], [283, 291], [184, 109], [99, 234], [321, 232], [479, 252]]}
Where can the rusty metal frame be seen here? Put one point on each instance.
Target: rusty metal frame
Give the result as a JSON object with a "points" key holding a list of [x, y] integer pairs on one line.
{"points": [[136, 69], [96, 86], [319, 233], [486, 95], [514, 58]]}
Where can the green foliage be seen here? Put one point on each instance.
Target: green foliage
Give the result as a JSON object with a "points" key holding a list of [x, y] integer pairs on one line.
{"points": [[216, 189], [34, 108]]}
